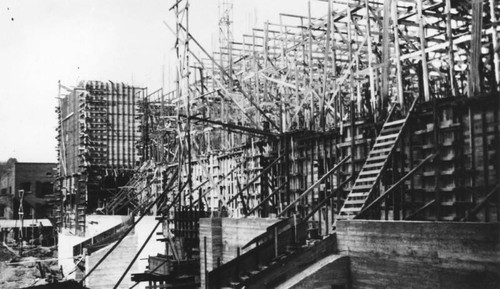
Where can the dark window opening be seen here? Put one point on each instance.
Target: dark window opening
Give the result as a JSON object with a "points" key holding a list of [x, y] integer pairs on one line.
{"points": [[26, 186]]}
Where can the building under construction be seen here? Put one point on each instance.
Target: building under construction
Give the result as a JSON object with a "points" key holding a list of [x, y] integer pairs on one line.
{"points": [[355, 149], [99, 128]]}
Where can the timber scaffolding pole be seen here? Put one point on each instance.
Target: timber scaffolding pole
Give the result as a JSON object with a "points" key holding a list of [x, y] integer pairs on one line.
{"points": [[327, 72], [183, 95]]}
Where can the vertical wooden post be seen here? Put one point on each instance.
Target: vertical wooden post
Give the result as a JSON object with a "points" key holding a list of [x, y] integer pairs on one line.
{"points": [[484, 131], [178, 95], [266, 57], [475, 50], [275, 241], [472, 148], [295, 228], [373, 98], [310, 64], [283, 38], [437, 163], [326, 67], [496, 52], [410, 167], [397, 52], [421, 33], [451, 55], [351, 92], [256, 78], [386, 51]]}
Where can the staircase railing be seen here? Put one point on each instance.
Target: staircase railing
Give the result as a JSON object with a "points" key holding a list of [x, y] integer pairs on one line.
{"points": [[259, 257], [102, 239]]}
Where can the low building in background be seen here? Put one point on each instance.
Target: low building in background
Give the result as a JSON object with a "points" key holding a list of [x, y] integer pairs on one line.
{"points": [[27, 200]]}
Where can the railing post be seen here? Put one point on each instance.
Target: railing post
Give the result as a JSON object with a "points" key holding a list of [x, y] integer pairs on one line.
{"points": [[237, 271], [294, 229], [205, 255], [275, 241]]}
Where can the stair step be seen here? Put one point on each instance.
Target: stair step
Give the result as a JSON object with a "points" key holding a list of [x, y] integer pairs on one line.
{"points": [[375, 165], [377, 159], [361, 187], [395, 122], [361, 191], [369, 172], [366, 180], [390, 130], [357, 195], [352, 209], [355, 202], [381, 151], [387, 136], [383, 144]]}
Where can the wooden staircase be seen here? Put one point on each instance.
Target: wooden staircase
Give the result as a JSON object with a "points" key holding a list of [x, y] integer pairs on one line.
{"points": [[274, 260], [373, 167]]}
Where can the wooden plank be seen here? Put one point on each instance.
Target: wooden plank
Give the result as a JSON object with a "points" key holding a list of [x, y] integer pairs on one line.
{"points": [[369, 172], [366, 180], [395, 122], [381, 151], [383, 137]]}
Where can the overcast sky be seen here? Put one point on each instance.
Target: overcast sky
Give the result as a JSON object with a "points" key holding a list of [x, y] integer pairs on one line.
{"points": [[42, 42]]}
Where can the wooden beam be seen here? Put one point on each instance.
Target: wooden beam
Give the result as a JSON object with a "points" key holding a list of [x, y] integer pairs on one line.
{"points": [[483, 202]]}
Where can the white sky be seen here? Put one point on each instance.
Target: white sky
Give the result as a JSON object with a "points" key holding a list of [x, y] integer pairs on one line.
{"points": [[42, 42]]}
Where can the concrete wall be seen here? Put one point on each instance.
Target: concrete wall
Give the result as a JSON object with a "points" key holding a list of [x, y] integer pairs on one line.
{"points": [[110, 270], [66, 240], [224, 237], [421, 254], [108, 273]]}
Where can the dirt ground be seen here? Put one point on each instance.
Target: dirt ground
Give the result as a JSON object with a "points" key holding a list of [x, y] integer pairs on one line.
{"points": [[22, 272]]}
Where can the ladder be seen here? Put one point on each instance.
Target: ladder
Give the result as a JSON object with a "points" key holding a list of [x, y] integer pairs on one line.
{"points": [[126, 194], [373, 167]]}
